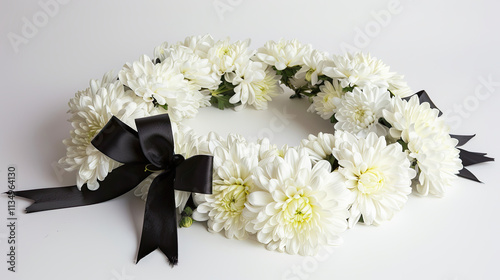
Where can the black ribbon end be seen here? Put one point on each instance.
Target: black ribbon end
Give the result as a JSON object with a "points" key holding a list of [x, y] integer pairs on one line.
{"points": [[465, 173], [142, 253], [172, 261], [11, 192]]}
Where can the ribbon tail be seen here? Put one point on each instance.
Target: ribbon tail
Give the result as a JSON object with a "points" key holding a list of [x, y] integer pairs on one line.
{"points": [[471, 158], [462, 139], [465, 173], [424, 97], [159, 229], [52, 198], [117, 183]]}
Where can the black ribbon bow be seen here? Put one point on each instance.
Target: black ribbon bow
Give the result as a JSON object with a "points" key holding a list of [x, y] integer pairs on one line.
{"points": [[150, 148], [468, 158]]}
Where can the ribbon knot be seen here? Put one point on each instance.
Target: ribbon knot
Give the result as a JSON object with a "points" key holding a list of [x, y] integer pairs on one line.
{"points": [[149, 149], [177, 160]]}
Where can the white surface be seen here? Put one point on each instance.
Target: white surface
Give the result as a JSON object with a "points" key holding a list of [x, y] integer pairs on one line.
{"points": [[444, 47]]}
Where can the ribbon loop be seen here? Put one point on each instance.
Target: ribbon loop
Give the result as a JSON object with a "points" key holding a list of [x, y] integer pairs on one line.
{"points": [[119, 142], [185, 181]]}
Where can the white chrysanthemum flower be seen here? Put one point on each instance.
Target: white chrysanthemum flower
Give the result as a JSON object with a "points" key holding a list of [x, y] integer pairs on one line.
{"points": [[398, 86], [91, 109], [379, 175], [319, 147], [161, 52], [324, 101], [196, 71], [359, 111], [161, 84], [186, 144], [268, 150], [354, 70], [226, 57], [362, 70], [208, 143], [266, 89], [283, 54], [256, 84], [199, 44], [314, 63], [429, 143], [243, 77], [297, 208], [234, 163]]}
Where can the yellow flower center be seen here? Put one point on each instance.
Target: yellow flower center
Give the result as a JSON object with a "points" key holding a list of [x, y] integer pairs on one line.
{"points": [[370, 181], [297, 210], [364, 117], [225, 50], [233, 198], [281, 153], [309, 74]]}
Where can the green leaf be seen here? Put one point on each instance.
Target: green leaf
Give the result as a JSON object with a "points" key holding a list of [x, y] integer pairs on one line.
{"points": [[333, 119], [286, 74], [333, 162], [290, 71], [361, 220], [314, 91], [403, 144], [221, 101], [325, 78], [384, 122], [348, 89], [187, 211], [164, 106]]}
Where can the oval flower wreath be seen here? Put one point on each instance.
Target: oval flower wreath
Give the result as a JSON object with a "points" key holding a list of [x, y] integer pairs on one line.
{"points": [[388, 141]]}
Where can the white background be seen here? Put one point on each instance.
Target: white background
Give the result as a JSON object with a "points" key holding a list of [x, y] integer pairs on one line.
{"points": [[445, 47]]}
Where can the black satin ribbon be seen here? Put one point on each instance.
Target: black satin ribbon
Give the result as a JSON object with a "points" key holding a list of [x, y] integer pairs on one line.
{"points": [[150, 148], [468, 158]]}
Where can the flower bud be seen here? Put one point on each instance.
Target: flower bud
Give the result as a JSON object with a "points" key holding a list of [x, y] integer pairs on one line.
{"points": [[185, 222], [187, 211]]}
